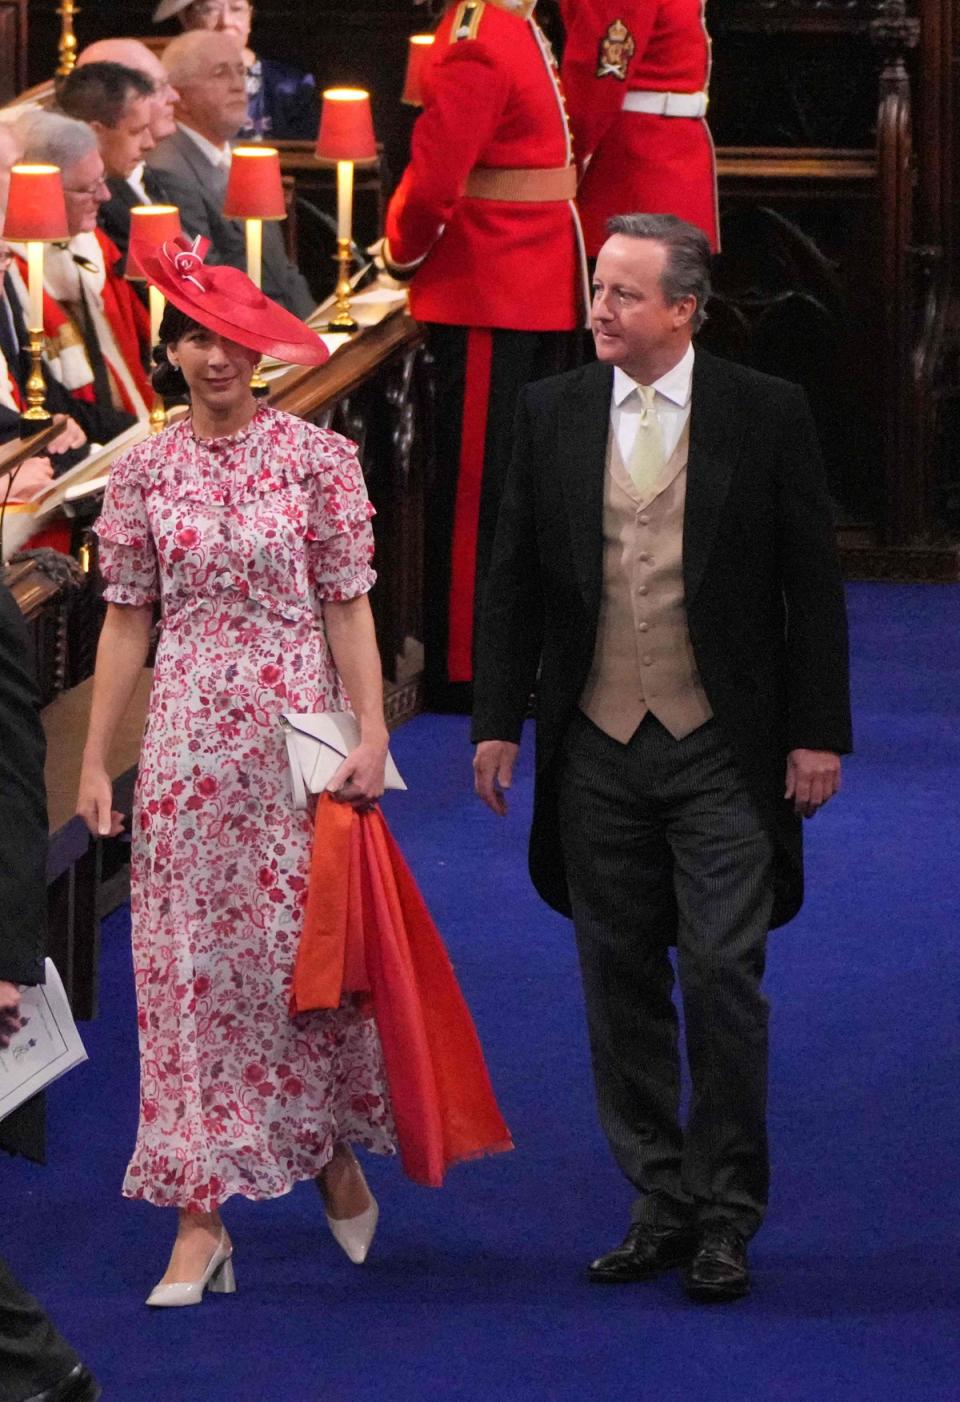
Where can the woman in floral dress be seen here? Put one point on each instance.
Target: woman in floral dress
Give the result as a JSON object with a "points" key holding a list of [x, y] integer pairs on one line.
{"points": [[253, 530]]}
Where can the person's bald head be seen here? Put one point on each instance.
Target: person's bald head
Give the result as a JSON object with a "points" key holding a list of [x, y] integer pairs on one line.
{"points": [[132, 54], [207, 69]]}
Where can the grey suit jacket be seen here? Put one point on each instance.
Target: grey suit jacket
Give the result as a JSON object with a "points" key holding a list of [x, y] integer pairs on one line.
{"points": [[197, 187]]}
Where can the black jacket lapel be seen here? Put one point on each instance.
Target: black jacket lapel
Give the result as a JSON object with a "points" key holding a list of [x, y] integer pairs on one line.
{"points": [[583, 423], [716, 430]]}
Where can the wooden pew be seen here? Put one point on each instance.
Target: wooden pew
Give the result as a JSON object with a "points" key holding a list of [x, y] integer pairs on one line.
{"points": [[75, 859]]}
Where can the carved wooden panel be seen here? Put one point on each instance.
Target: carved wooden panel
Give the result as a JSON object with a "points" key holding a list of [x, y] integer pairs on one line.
{"points": [[13, 48]]}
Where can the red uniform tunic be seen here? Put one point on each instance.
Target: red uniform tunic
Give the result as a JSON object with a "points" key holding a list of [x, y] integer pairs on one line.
{"points": [[638, 162], [491, 99]]}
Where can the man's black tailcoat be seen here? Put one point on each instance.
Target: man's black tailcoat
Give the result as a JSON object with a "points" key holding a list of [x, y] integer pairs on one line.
{"points": [[764, 598]]}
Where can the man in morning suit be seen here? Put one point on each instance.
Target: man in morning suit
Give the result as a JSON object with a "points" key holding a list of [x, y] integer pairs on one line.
{"points": [[665, 553], [192, 166], [36, 1363]]}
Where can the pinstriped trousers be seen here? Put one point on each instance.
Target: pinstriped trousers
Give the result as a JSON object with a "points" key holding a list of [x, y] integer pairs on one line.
{"points": [[663, 846]]}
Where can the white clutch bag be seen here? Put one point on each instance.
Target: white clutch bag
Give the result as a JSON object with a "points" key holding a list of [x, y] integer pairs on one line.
{"points": [[317, 744]]}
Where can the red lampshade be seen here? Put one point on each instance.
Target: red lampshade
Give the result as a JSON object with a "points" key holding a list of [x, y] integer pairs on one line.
{"points": [[255, 187], [346, 127], [418, 52], [36, 212], [152, 225]]}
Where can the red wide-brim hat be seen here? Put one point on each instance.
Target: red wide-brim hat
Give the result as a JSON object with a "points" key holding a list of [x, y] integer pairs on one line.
{"points": [[226, 301]]}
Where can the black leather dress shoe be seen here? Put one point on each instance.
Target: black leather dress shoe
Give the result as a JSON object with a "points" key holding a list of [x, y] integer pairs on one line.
{"points": [[719, 1270], [78, 1386], [644, 1253]]}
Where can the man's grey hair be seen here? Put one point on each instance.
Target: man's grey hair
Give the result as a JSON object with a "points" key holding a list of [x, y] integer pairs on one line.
{"points": [[187, 56], [51, 139], [687, 270]]}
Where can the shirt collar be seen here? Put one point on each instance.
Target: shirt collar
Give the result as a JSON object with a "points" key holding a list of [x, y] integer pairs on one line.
{"points": [[216, 155], [676, 385]]}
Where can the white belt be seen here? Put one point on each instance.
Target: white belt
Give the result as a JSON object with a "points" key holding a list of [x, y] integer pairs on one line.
{"points": [[666, 104]]}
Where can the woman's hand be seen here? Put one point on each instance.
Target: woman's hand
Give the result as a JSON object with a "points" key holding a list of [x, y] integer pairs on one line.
{"points": [[359, 780], [32, 476], [95, 802]]}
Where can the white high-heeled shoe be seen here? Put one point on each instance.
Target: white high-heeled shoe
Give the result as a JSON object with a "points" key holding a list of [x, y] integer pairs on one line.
{"points": [[218, 1278], [354, 1235]]}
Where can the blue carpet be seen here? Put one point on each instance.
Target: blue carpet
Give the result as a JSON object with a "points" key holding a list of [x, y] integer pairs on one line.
{"points": [[477, 1292]]}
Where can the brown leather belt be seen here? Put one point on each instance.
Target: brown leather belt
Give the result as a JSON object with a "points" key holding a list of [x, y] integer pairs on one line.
{"points": [[524, 185]]}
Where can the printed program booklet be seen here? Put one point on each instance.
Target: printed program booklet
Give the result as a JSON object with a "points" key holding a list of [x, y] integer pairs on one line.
{"points": [[46, 1047]]}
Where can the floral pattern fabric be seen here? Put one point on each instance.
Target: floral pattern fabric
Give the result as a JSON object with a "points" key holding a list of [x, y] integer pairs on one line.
{"points": [[243, 539]]}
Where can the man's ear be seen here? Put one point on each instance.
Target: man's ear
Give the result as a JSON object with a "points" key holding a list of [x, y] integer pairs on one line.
{"points": [[98, 128], [685, 309]]}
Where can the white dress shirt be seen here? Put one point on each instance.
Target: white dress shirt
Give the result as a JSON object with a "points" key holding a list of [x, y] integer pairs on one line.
{"points": [[671, 404], [135, 181]]}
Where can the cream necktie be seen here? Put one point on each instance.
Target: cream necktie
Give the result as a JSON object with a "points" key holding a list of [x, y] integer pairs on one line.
{"points": [[646, 457]]}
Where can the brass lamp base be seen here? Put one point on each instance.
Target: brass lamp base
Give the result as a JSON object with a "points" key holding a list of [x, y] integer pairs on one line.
{"points": [[35, 418], [342, 319], [158, 415], [258, 385], [34, 421]]}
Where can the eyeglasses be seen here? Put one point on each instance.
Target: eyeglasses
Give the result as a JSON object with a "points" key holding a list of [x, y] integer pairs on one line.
{"points": [[88, 192]]}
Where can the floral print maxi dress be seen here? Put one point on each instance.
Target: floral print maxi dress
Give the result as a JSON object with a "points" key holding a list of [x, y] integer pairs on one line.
{"points": [[243, 538]]}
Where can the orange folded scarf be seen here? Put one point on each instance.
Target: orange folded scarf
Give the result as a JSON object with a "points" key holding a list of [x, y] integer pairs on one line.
{"points": [[367, 930]]}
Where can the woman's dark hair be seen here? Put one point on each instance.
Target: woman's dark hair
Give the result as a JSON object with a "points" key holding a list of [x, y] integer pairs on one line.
{"points": [[166, 379]]}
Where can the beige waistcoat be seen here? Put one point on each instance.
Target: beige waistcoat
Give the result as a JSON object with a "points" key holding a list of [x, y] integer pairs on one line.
{"points": [[643, 660]]}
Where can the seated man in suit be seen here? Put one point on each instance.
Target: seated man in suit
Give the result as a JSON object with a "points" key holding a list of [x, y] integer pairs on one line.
{"points": [[281, 100], [192, 166], [96, 329], [118, 103], [139, 186]]}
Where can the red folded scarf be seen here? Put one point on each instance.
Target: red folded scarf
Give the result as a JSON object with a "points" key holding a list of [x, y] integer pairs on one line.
{"points": [[367, 930]]}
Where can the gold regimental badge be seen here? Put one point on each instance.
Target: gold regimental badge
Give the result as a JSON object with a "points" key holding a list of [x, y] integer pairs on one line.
{"points": [[466, 21], [617, 48]]}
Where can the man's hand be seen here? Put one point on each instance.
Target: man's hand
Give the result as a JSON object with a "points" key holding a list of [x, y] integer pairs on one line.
{"points": [[71, 435], [32, 476], [9, 1012], [813, 777], [493, 772]]}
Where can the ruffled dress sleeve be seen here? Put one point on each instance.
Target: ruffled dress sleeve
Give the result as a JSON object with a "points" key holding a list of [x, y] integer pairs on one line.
{"points": [[128, 558], [339, 534]]}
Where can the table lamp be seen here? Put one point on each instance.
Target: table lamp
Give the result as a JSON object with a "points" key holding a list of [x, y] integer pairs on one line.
{"points": [[418, 52], [255, 193], [153, 225], [36, 214], [345, 138]]}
